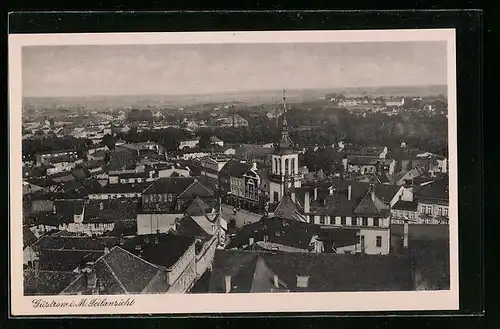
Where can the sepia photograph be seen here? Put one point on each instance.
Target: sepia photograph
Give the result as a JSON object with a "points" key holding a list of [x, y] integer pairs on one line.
{"points": [[211, 165]]}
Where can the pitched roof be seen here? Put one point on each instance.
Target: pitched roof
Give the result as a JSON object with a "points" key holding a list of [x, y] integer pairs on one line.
{"points": [[188, 227], [196, 190], [326, 271], [198, 208], [287, 209], [28, 237], [165, 253], [121, 272]]}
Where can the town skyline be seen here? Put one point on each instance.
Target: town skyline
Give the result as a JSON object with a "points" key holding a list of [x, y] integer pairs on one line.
{"points": [[79, 71]]}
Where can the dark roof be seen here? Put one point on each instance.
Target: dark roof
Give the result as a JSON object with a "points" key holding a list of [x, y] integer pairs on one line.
{"points": [[170, 185], [98, 154], [47, 282], [165, 253], [120, 272], [112, 210], [80, 173], [234, 168], [122, 188], [326, 271], [76, 242], [405, 205], [439, 189], [126, 175], [66, 209], [93, 164], [338, 204], [364, 160], [66, 260], [278, 230], [62, 176]]}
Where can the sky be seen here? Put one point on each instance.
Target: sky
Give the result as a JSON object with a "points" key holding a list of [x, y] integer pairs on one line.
{"points": [[58, 71]]}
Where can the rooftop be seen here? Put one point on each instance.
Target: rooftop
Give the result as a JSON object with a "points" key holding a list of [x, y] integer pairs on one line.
{"points": [[325, 271]]}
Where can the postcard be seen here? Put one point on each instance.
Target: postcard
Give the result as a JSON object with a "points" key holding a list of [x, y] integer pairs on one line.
{"points": [[233, 172]]}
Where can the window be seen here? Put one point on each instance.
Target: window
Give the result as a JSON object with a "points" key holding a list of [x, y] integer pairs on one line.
{"points": [[422, 209], [354, 221], [358, 238], [311, 219], [322, 220], [446, 212], [379, 241], [365, 221], [342, 221], [429, 210], [440, 211], [375, 222]]}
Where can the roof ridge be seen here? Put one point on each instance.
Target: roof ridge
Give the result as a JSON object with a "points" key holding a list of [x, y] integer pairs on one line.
{"points": [[135, 256], [115, 276], [71, 283]]}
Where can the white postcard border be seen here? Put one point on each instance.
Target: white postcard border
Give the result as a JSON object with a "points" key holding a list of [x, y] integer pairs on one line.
{"points": [[225, 303]]}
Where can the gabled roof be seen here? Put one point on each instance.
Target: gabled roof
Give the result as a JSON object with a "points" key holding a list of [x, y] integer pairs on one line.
{"points": [[196, 190], [198, 208], [121, 272], [287, 209], [28, 237]]}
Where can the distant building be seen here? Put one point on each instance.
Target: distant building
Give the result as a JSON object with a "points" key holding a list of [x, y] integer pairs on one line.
{"points": [[190, 143]]}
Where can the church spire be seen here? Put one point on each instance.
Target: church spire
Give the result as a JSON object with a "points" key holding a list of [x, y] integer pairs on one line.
{"points": [[285, 141]]}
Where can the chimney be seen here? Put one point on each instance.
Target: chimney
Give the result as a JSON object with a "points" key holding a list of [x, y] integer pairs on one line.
{"points": [[349, 192], [228, 283], [36, 265], [54, 210], [405, 234], [91, 280], [106, 250], [250, 241], [101, 206], [372, 192], [254, 166], [315, 193], [306, 202], [276, 282]]}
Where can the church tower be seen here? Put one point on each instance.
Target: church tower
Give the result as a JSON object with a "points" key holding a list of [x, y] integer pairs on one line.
{"points": [[285, 164]]}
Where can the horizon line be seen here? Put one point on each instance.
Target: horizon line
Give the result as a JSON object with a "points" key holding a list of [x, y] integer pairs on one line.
{"points": [[234, 91]]}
